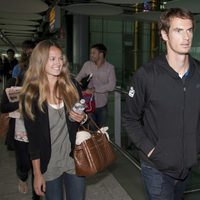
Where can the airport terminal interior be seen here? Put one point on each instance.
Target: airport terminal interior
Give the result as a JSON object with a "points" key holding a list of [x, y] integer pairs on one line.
{"points": [[129, 30]]}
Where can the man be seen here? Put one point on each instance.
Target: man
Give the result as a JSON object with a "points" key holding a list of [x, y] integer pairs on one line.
{"points": [[9, 63], [163, 108], [17, 71], [103, 81], [27, 48]]}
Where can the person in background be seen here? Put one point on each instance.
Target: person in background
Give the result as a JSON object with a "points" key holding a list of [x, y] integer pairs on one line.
{"points": [[17, 133], [103, 81], [27, 48], [9, 63], [47, 97], [163, 108], [1, 69]]}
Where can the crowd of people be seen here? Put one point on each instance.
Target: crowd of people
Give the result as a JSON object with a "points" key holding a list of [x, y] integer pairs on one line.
{"points": [[47, 95], [161, 114]]}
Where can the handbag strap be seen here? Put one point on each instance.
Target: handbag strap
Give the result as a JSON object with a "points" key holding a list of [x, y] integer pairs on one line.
{"points": [[94, 123]]}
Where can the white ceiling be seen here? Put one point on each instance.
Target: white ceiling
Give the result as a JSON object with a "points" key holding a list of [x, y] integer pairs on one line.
{"points": [[94, 9], [192, 5], [121, 1], [125, 8], [19, 20], [23, 6]]}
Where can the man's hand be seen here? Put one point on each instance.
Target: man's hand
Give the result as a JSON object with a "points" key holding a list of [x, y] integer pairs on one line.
{"points": [[149, 154], [90, 90]]}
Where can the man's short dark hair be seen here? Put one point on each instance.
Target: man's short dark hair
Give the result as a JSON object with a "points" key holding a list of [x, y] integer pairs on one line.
{"points": [[28, 44], [164, 23], [101, 48], [10, 50]]}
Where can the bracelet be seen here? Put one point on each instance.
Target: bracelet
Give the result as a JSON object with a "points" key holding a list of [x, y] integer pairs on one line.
{"points": [[85, 119]]}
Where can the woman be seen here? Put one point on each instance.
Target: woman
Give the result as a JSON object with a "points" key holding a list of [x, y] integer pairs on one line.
{"points": [[48, 95], [16, 131]]}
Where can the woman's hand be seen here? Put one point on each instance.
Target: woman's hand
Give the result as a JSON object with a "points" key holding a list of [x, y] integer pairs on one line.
{"points": [[39, 185], [78, 117], [39, 181]]}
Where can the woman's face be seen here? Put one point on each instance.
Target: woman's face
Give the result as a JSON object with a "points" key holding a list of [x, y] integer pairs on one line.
{"points": [[55, 62]]}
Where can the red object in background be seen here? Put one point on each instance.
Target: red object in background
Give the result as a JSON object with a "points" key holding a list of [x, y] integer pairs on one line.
{"points": [[89, 101]]}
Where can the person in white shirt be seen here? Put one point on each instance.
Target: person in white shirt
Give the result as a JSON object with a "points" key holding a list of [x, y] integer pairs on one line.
{"points": [[102, 82]]}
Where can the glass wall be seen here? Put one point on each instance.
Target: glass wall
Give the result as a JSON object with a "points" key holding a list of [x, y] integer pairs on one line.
{"points": [[130, 44]]}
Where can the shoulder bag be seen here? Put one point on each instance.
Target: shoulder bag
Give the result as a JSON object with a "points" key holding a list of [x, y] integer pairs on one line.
{"points": [[93, 151]]}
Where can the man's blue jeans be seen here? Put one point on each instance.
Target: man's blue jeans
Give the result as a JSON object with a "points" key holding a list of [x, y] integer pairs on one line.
{"points": [[100, 116], [74, 188], [160, 186]]}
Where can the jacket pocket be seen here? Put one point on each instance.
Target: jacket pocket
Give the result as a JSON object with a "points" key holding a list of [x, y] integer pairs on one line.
{"points": [[167, 155]]}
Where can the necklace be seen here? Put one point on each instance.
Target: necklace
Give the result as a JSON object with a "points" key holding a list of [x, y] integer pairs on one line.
{"points": [[61, 112]]}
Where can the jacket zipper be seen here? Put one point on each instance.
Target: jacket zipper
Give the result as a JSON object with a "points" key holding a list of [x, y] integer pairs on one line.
{"points": [[183, 133]]}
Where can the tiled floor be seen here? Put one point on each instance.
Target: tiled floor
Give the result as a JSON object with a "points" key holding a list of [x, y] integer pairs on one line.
{"points": [[102, 186], [122, 181]]}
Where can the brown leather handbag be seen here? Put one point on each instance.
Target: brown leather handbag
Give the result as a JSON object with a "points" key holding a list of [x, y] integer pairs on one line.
{"points": [[93, 154]]}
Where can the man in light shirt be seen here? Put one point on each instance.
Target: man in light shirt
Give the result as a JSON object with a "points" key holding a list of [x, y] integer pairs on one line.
{"points": [[103, 81]]}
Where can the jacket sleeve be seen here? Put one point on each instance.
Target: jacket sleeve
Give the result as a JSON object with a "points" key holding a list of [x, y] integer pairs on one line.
{"points": [[33, 134], [134, 110]]}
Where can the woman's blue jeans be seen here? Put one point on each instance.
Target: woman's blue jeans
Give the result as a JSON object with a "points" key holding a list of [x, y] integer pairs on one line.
{"points": [[74, 187], [160, 186]]}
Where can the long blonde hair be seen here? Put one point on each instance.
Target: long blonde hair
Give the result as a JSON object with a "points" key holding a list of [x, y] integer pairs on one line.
{"points": [[36, 85]]}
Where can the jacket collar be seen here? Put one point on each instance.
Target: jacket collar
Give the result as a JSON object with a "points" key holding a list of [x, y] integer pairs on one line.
{"points": [[164, 64]]}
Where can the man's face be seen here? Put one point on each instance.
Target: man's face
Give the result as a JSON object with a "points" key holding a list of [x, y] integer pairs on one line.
{"points": [[94, 55], [10, 55], [179, 37], [29, 51]]}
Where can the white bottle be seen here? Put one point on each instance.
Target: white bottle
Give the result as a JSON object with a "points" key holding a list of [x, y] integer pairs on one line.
{"points": [[79, 107]]}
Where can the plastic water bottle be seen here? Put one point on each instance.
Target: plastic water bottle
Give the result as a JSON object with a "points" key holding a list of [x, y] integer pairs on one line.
{"points": [[79, 107]]}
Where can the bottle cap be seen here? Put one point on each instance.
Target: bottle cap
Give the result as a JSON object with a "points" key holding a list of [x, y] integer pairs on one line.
{"points": [[82, 101]]}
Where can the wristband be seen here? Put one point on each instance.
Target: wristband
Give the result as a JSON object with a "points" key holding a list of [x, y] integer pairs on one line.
{"points": [[85, 119]]}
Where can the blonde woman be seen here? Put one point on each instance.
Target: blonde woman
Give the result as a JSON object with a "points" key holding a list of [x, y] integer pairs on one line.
{"points": [[48, 95]]}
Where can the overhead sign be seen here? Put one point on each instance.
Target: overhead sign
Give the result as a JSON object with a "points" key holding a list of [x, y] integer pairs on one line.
{"points": [[54, 19]]}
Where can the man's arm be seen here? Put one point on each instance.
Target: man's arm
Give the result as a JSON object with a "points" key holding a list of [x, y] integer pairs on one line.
{"points": [[133, 114], [82, 73]]}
